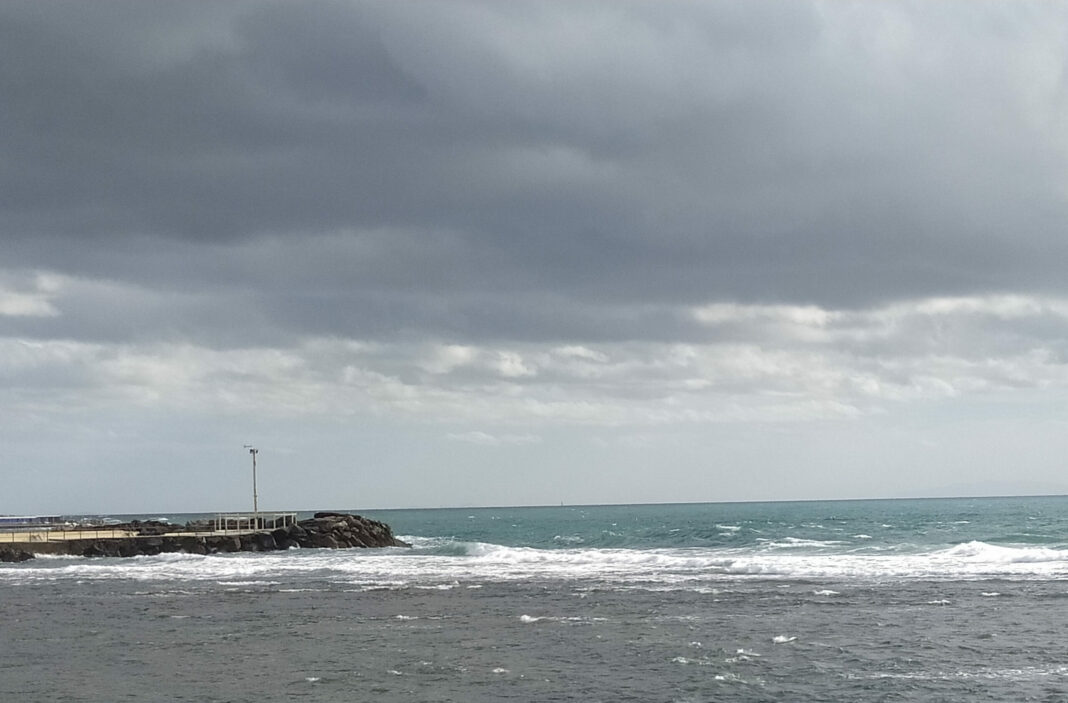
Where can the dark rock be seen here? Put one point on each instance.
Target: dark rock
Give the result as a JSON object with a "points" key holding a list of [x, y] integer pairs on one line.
{"points": [[147, 527], [324, 542], [102, 548], [11, 556], [319, 524], [348, 530], [93, 549], [265, 541], [192, 545], [223, 543], [327, 530], [128, 548]]}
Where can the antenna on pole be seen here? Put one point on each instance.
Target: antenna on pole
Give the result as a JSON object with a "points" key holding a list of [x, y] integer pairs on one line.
{"points": [[255, 496]]}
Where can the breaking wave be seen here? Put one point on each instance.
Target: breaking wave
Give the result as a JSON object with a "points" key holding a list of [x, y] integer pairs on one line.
{"points": [[442, 562]]}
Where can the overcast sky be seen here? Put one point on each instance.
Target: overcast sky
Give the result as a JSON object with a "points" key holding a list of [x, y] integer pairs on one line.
{"points": [[496, 253]]}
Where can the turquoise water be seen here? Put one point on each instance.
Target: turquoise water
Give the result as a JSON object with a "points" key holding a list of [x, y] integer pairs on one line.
{"points": [[863, 525], [694, 545], [892, 600]]}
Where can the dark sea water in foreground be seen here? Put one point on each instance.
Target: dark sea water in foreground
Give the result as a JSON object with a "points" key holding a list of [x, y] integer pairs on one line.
{"points": [[925, 600]]}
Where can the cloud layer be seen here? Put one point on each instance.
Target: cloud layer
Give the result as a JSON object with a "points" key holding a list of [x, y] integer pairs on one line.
{"points": [[512, 223]]}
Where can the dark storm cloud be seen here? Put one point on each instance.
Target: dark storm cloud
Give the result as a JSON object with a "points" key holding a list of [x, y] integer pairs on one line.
{"points": [[522, 170]]}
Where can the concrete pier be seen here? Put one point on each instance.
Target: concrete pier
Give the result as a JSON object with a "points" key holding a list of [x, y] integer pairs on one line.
{"points": [[234, 534]]}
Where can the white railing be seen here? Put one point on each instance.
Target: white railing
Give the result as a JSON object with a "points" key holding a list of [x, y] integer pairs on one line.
{"points": [[229, 523], [223, 523], [44, 534]]}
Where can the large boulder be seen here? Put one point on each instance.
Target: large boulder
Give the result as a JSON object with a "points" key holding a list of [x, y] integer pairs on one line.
{"points": [[265, 541], [128, 548], [10, 556], [193, 545], [324, 541], [348, 531], [101, 548], [223, 543], [249, 543]]}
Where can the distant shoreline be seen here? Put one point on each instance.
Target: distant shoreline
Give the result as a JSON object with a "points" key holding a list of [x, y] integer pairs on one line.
{"points": [[167, 515]]}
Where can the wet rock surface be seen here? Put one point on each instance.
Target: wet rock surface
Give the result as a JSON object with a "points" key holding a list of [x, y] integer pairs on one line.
{"points": [[10, 555], [324, 530]]}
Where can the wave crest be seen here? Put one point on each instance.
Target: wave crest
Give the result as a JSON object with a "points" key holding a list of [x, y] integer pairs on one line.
{"points": [[995, 554], [440, 562]]}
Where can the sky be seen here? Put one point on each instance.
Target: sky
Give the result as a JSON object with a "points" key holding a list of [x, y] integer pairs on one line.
{"points": [[457, 253]]}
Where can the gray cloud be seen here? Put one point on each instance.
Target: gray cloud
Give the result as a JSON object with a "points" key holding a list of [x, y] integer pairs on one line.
{"points": [[678, 154], [484, 216]]}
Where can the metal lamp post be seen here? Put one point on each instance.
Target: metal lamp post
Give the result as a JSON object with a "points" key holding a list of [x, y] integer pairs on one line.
{"points": [[255, 496]]}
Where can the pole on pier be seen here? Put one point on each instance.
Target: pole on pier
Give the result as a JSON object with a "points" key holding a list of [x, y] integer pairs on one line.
{"points": [[255, 496]]}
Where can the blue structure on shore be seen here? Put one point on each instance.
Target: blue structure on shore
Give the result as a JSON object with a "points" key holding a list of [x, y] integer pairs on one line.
{"points": [[28, 521]]}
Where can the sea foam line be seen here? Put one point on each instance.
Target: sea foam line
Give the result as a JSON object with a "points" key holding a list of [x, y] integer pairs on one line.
{"points": [[478, 562]]}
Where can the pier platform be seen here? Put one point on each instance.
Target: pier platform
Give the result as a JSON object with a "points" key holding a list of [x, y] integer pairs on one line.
{"points": [[227, 532]]}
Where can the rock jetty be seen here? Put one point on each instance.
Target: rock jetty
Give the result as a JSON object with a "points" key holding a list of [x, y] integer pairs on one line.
{"points": [[325, 530], [12, 555]]}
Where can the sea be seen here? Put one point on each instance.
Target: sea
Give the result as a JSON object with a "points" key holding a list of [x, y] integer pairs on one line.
{"points": [[884, 600]]}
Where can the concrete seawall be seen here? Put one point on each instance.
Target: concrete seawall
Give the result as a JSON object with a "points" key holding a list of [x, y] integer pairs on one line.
{"points": [[325, 530]]}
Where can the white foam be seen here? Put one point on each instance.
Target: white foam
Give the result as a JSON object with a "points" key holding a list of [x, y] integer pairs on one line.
{"points": [[742, 655], [445, 564], [1025, 673], [440, 586], [301, 590], [994, 554], [782, 639], [797, 542]]}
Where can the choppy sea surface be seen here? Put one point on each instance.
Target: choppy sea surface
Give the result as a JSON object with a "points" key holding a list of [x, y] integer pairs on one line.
{"points": [[896, 600]]}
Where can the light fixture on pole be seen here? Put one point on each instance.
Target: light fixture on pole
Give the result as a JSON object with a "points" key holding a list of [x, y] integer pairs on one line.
{"points": [[255, 497]]}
